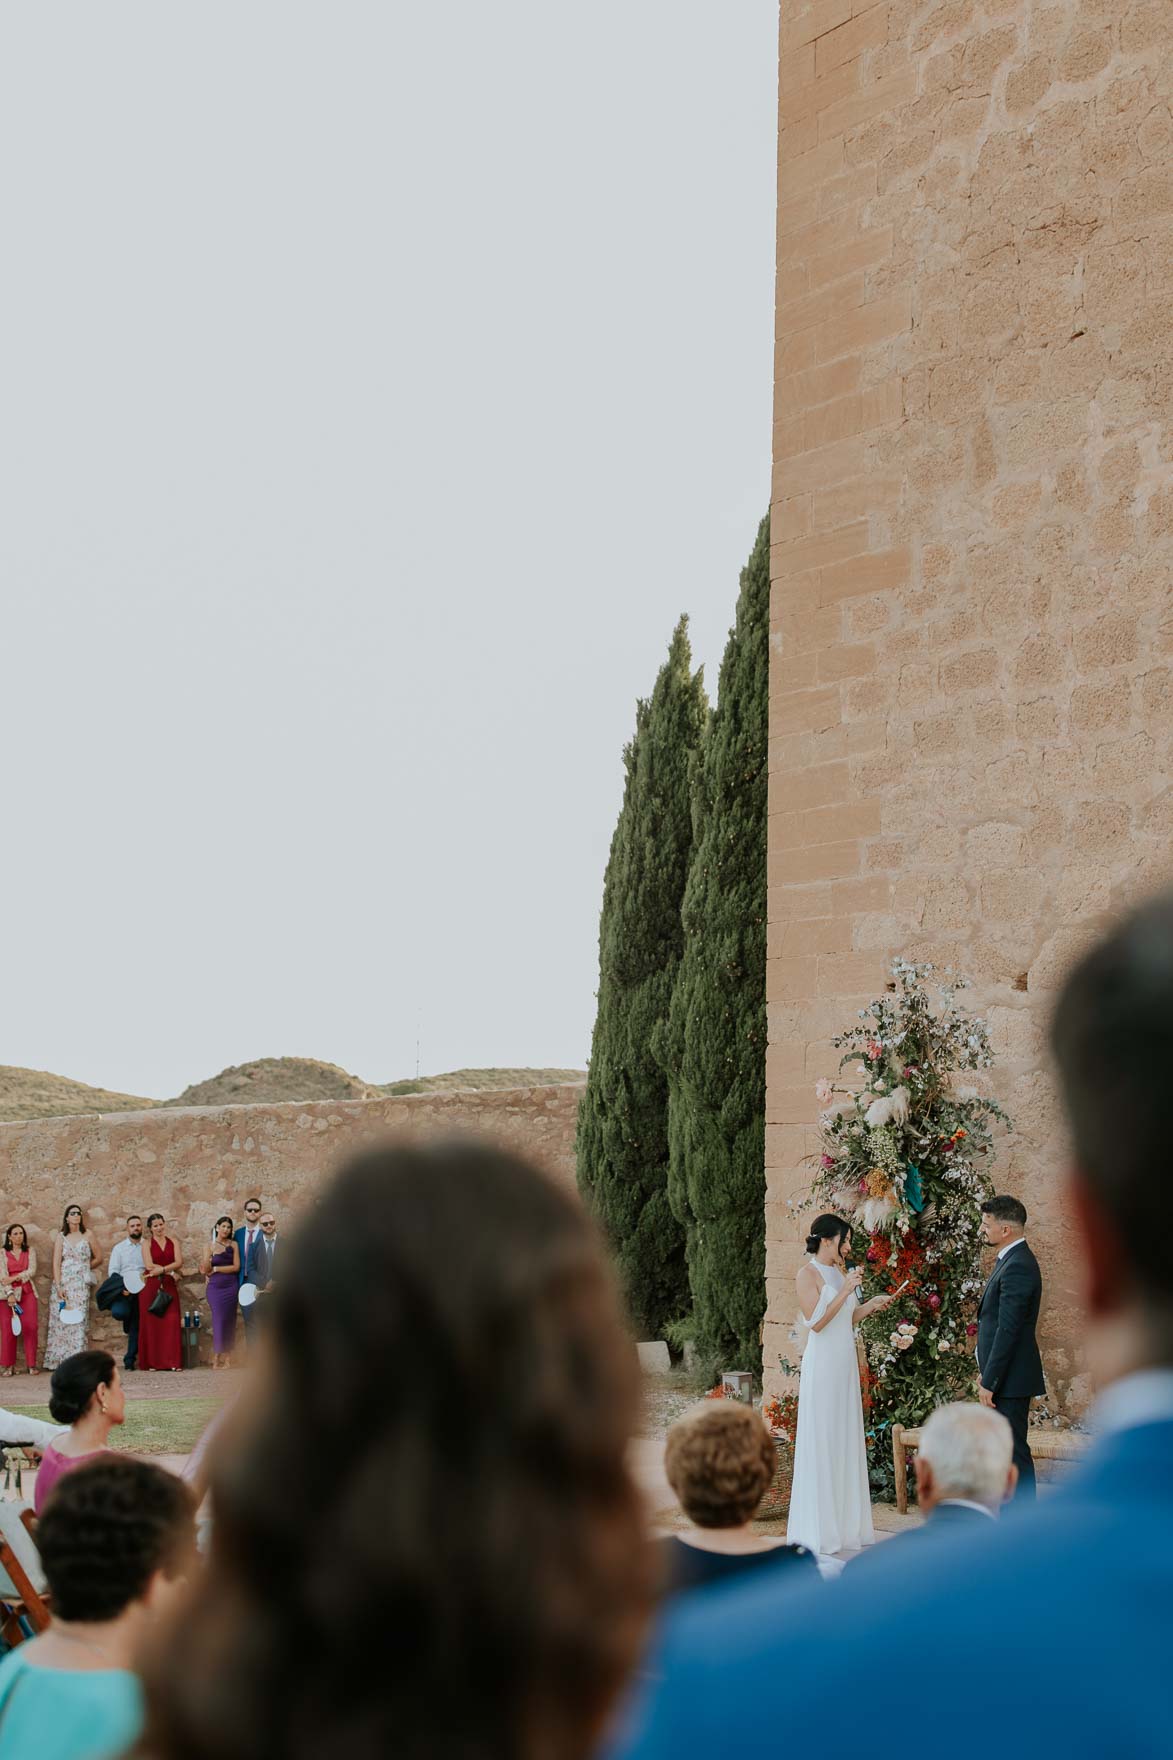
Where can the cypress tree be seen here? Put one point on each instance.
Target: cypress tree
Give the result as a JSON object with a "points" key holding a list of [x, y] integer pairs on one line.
{"points": [[715, 1045], [622, 1140]]}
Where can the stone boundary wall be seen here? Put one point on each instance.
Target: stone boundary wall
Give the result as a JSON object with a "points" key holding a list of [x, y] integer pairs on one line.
{"points": [[972, 542], [197, 1163]]}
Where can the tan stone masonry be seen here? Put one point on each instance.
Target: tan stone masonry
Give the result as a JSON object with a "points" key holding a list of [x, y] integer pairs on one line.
{"points": [[972, 519], [197, 1163]]}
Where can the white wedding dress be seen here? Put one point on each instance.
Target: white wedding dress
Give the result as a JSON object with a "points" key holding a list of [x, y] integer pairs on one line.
{"points": [[830, 1505]]}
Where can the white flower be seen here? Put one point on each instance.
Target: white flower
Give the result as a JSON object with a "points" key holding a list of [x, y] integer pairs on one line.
{"points": [[879, 1087], [944, 1345], [823, 1091]]}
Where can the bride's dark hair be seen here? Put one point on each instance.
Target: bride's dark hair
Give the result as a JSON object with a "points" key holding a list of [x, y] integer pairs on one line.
{"points": [[827, 1227]]}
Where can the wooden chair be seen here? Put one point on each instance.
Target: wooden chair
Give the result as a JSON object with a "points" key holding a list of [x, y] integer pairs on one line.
{"points": [[20, 1605], [1045, 1445]]}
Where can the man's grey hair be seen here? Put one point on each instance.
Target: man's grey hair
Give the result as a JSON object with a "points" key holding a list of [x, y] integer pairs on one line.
{"points": [[969, 1448]]}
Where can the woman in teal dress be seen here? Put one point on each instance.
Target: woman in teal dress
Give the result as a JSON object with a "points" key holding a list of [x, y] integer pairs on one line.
{"points": [[71, 1693]]}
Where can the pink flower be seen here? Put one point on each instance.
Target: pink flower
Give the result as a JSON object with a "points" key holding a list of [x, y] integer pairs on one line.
{"points": [[874, 1048], [971, 1330], [823, 1091], [934, 1301], [828, 1160], [873, 1254]]}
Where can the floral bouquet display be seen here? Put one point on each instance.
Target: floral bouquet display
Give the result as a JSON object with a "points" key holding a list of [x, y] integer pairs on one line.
{"points": [[780, 1413], [903, 1149]]}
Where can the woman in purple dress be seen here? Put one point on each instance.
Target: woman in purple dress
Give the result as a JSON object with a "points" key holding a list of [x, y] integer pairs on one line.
{"points": [[221, 1267]]}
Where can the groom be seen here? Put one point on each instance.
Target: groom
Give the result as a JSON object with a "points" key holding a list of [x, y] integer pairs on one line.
{"points": [[1007, 1351]]}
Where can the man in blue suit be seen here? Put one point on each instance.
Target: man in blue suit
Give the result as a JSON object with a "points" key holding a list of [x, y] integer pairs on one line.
{"points": [[248, 1237], [1007, 1349], [1053, 1627], [248, 1241]]}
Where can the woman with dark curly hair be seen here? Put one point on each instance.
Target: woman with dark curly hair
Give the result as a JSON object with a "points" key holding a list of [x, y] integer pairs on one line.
{"points": [[115, 1540], [468, 1576], [719, 1460]]}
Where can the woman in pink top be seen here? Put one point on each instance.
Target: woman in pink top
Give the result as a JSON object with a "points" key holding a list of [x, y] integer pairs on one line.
{"points": [[86, 1393]]}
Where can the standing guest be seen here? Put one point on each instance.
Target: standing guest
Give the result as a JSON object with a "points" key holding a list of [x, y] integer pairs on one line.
{"points": [[481, 1519], [18, 1267], [1007, 1351], [1076, 1589], [85, 1393], [265, 1255], [247, 1240], [73, 1273], [126, 1261], [115, 1541], [18, 1430], [160, 1335], [965, 1472], [720, 1460], [247, 1237], [221, 1266]]}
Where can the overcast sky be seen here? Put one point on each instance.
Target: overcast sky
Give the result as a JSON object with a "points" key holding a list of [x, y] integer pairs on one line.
{"points": [[382, 381]]}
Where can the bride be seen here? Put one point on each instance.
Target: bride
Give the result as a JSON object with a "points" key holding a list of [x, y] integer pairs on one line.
{"points": [[830, 1505]]}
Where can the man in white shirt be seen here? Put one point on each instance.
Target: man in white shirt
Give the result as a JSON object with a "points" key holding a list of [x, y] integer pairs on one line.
{"points": [[126, 1261], [20, 1431]]}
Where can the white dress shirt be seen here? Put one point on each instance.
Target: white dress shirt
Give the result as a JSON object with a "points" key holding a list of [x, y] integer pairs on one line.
{"points": [[127, 1261], [18, 1428], [1009, 1247]]}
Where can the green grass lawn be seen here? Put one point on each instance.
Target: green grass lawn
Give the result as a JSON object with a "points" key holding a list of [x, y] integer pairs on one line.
{"points": [[154, 1426]]}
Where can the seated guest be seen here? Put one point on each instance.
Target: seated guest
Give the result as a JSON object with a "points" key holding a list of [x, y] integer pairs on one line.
{"points": [[720, 1460], [465, 1571], [964, 1474], [18, 1430], [115, 1540], [86, 1394], [1076, 1590]]}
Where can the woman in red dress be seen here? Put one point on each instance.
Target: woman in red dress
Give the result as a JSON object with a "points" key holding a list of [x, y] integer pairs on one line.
{"points": [[18, 1267], [160, 1336]]}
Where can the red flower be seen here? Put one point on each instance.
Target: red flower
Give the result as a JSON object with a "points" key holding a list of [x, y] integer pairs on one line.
{"points": [[971, 1329]]}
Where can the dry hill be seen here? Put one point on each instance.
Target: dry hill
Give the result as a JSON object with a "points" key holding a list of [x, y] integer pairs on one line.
{"points": [[272, 1079], [30, 1093], [37, 1093], [484, 1078]]}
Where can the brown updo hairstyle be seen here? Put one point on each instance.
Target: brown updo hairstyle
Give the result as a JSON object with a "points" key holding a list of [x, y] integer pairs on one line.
{"points": [[719, 1461], [426, 1539]]}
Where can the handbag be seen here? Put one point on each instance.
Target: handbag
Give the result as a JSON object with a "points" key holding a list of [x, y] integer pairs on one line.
{"points": [[160, 1302]]}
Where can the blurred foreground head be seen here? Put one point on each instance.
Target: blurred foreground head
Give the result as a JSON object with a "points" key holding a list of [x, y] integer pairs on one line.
{"points": [[426, 1540], [1113, 1040]]}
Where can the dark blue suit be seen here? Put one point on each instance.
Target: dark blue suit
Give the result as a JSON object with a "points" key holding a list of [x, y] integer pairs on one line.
{"points": [[1007, 1349], [1051, 1627], [239, 1237]]}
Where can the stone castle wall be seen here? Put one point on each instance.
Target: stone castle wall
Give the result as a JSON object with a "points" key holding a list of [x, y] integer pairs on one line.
{"points": [[972, 523], [199, 1163]]}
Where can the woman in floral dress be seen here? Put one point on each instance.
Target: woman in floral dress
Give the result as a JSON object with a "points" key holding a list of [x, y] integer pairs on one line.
{"points": [[73, 1261]]}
